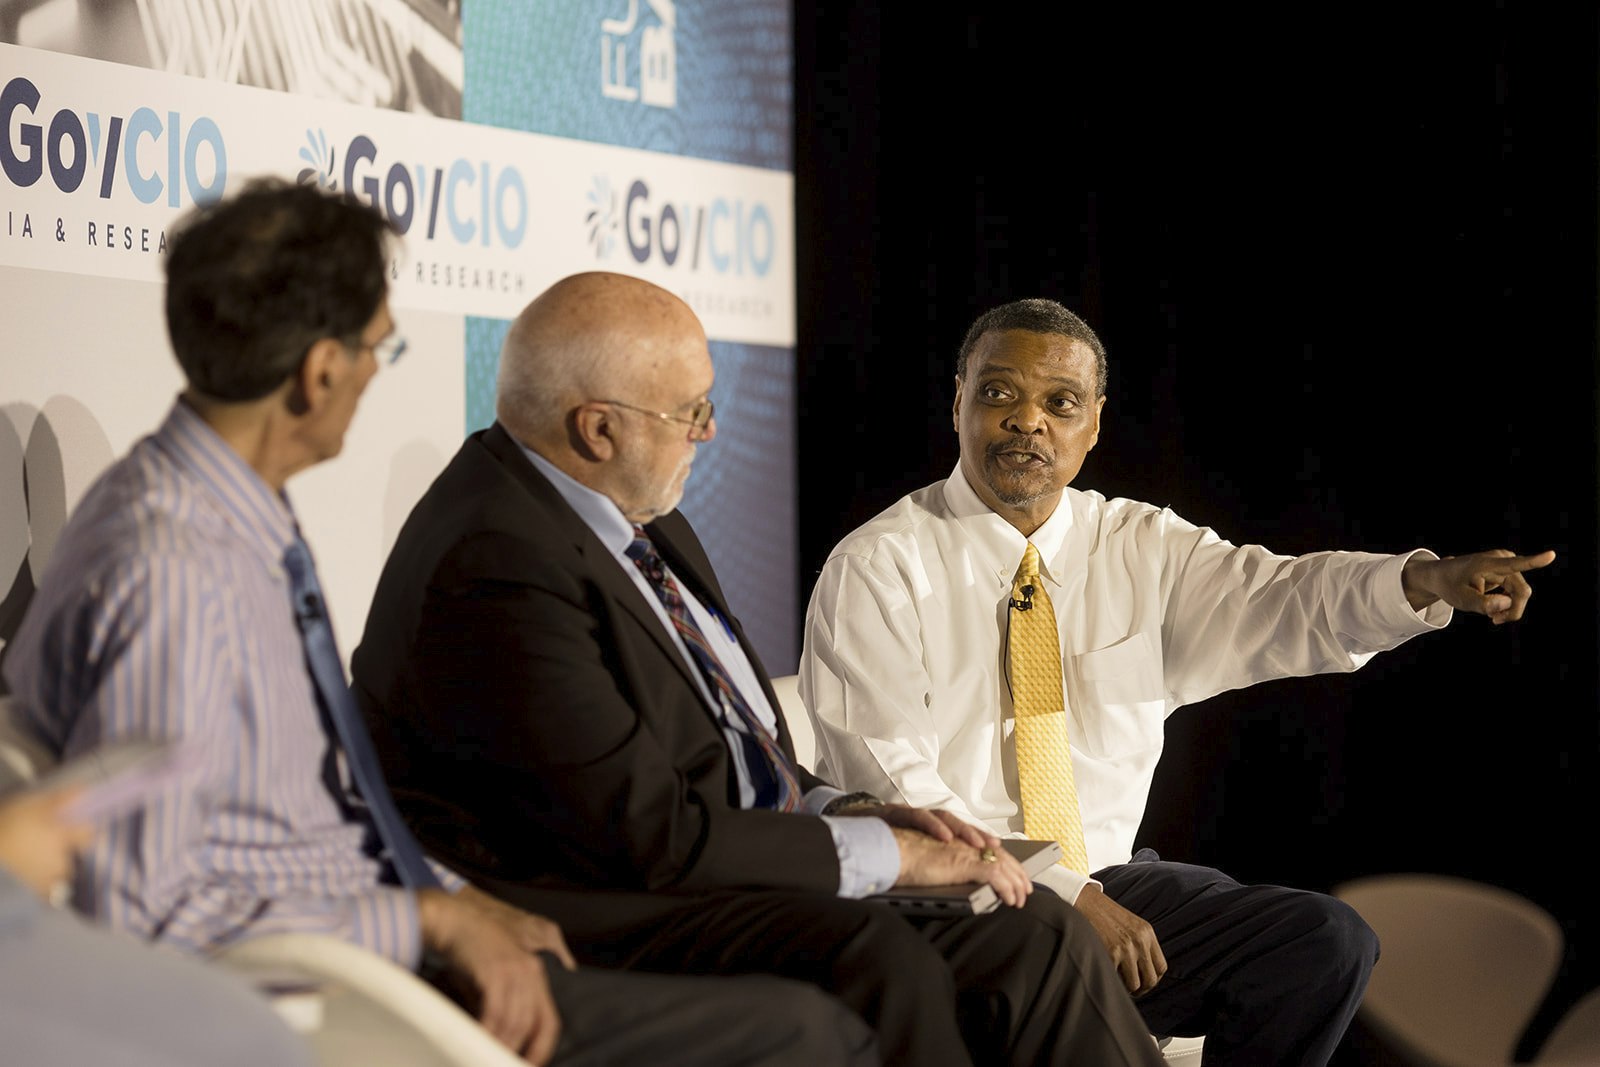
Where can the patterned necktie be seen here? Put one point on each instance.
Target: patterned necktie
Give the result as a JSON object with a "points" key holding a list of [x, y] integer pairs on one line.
{"points": [[1044, 763], [339, 707], [771, 772]]}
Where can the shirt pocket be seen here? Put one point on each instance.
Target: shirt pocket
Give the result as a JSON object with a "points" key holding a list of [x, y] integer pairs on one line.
{"points": [[1120, 701]]}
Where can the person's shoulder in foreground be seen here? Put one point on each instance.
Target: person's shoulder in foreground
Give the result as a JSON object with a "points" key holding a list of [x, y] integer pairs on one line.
{"points": [[71, 993]]}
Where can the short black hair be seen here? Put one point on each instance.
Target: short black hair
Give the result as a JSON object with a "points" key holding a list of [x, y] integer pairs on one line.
{"points": [[1036, 315], [257, 278]]}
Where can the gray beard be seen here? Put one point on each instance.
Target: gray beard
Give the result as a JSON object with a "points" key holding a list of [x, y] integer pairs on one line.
{"points": [[1017, 499]]}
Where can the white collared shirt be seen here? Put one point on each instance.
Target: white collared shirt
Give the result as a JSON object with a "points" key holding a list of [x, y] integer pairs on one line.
{"points": [[902, 669]]}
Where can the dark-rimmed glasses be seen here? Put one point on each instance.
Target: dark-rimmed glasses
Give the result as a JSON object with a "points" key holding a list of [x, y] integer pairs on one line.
{"points": [[389, 349]]}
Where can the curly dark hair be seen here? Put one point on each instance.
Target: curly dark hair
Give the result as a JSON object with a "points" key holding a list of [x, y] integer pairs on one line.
{"points": [[255, 279], [1035, 315]]}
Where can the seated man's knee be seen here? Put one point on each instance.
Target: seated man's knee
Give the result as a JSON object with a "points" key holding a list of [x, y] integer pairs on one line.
{"points": [[886, 948], [1317, 928], [1349, 937], [1055, 914], [821, 1029]]}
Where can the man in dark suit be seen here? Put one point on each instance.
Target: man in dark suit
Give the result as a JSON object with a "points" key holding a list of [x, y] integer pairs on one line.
{"points": [[570, 715]]}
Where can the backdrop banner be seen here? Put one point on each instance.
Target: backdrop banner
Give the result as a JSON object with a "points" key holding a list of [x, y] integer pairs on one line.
{"points": [[510, 144]]}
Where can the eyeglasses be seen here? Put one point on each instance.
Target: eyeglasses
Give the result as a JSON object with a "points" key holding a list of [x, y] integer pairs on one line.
{"points": [[391, 348], [698, 419]]}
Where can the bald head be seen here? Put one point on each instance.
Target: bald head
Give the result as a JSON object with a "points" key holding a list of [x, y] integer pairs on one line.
{"points": [[589, 336], [603, 375]]}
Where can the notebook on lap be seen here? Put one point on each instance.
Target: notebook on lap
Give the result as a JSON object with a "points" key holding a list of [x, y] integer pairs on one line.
{"points": [[970, 898]]}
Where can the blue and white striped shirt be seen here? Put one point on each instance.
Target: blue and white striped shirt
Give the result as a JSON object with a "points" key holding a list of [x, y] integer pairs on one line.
{"points": [[165, 613]]}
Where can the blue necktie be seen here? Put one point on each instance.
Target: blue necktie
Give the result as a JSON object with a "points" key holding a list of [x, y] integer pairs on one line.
{"points": [[339, 706], [772, 773]]}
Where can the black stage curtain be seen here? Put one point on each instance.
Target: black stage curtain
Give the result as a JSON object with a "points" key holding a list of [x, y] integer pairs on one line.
{"points": [[1344, 264]]}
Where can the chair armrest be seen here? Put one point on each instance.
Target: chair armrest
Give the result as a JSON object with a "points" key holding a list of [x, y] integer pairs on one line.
{"points": [[375, 1011], [1182, 1050], [23, 757]]}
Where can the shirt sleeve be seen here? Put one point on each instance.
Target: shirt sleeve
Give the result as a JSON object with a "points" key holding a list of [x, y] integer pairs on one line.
{"points": [[160, 655], [874, 731], [1063, 881], [450, 880], [869, 858], [1235, 615]]}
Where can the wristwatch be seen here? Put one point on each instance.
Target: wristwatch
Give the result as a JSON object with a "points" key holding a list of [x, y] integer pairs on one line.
{"points": [[842, 805]]}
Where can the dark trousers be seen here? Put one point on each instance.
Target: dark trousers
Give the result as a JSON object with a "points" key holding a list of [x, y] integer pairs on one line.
{"points": [[1269, 975], [1016, 986], [617, 1018]]}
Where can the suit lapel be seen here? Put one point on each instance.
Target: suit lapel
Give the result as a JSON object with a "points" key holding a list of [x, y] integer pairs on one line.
{"points": [[602, 566], [675, 540]]}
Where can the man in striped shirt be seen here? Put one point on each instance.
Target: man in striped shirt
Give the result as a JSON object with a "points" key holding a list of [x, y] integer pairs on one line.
{"points": [[166, 612]]}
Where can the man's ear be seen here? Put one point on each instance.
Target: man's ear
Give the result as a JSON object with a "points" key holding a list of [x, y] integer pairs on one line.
{"points": [[955, 408], [592, 429], [319, 371], [1099, 406]]}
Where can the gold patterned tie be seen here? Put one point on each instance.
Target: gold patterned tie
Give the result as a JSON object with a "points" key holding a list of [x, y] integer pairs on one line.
{"points": [[1044, 764]]}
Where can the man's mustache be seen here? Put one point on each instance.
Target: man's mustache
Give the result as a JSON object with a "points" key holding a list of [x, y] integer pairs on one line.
{"points": [[1022, 444]]}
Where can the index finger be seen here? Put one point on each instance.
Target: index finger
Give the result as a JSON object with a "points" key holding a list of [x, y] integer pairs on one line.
{"points": [[1528, 563], [928, 822], [976, 836], [1006, 875], [556, 945]]}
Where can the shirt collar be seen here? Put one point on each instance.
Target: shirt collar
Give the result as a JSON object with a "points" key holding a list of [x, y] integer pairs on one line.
{"points": [[261, 515], [1000, 544], [597, 510]]}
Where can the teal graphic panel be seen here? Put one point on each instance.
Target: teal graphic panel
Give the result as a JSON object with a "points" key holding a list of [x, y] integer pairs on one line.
{"points": [[708, 80]]}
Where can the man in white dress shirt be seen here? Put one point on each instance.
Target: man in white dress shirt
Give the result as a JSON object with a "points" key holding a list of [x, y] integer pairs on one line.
{"points": [[904, 672]]}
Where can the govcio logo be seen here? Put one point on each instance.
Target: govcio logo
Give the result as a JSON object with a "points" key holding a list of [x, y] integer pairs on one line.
{"points": [[159, 155], [728, 235], [602, 218], [478, 202]]}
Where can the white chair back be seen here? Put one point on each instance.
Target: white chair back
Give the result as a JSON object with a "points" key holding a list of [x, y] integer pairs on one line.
{"points": [[787, 687], [1464, 966]]}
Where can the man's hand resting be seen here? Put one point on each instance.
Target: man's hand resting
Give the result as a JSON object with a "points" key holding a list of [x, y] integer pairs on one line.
{"points": [[937, 823], [926, 860], [491, 947], [938, 848], [1131, 941]]}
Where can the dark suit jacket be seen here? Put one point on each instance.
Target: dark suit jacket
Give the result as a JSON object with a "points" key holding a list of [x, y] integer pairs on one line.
{"points": [[536, 723]]}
